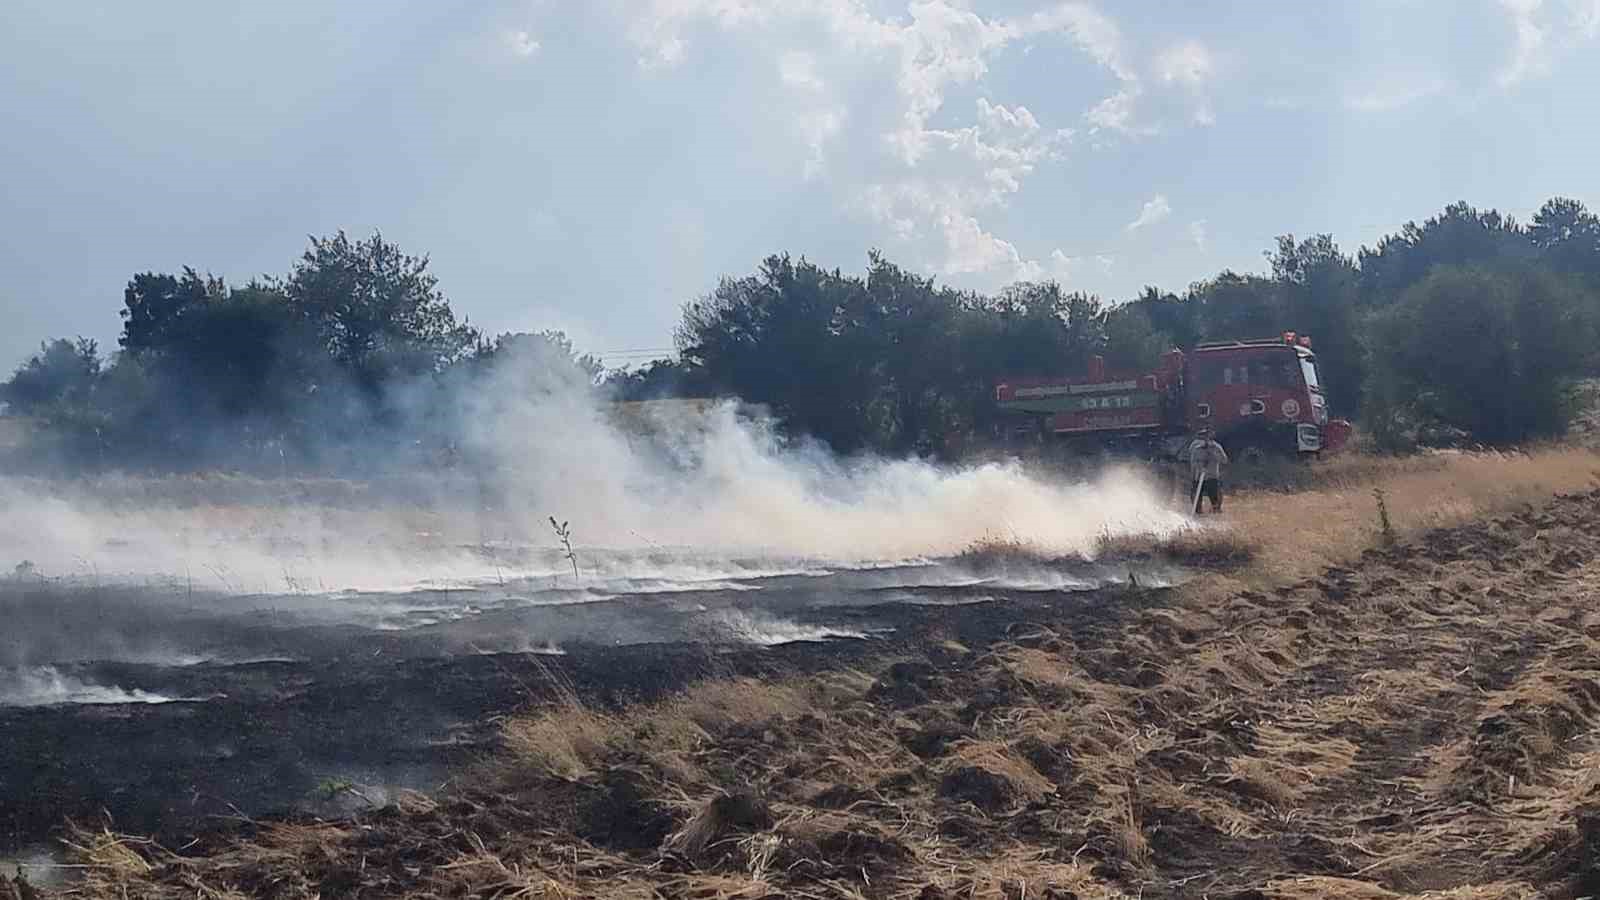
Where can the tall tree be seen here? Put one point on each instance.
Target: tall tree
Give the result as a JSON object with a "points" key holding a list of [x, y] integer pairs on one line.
{"points": [[1568, 238], [1460, 235], [61, 375], [377, 310], [1488, 351], [1171, 315], [779, 337], [1232, 306], [905, 320], [1132, 343], [1319, 288], [154, 304]]}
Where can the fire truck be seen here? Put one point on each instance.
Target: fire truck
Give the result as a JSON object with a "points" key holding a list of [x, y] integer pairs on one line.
{"points": [[1259, 397]]}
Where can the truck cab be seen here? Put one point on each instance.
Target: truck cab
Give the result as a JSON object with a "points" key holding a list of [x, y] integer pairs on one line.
{"points": [[1260, 396]]}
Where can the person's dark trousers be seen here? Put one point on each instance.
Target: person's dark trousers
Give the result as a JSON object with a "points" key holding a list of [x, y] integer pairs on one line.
{"points": [[1210, 489]]}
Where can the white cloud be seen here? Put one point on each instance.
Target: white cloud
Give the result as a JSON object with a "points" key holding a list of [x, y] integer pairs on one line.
{"points": [[1395, 92], [1543, 33], [1197, 233], [972, 249], [1527, 55], [941, 45], [1188, 63], [915, 212], [838, 61], [1062, 265], [655, 30], [1091, 30], [1156, 209], [798, 69], [998, 117], [1191, 66], [1586, 18], [816, 130], [1007, 143], [881, 204], [1115, 113], [521, 43]]}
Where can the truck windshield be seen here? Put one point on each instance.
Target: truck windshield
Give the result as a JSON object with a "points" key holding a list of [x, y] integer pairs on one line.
{"points": [[1308, 365]]}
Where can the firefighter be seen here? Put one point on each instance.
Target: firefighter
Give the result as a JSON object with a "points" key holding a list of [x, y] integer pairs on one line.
{"points": [[1206, 459]]}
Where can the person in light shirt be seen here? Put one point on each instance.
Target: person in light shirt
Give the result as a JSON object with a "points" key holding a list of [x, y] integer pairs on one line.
{"points": [[1206, 459]]}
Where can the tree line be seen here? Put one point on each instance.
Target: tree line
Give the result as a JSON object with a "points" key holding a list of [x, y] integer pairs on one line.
{"points": [[356, 349], [1469, 326]]}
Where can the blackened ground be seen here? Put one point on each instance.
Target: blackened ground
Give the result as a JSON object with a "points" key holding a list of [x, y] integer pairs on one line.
{"points": [[404, 709]]}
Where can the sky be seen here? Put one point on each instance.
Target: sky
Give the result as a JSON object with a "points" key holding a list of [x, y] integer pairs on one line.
{"points": [[591, 165]]}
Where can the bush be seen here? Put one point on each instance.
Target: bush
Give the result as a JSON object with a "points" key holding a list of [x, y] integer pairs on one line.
{"points": [[1491, 354]]}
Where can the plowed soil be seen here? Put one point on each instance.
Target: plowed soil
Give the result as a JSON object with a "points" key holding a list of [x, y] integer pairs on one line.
{"points": [[1421, 721]]}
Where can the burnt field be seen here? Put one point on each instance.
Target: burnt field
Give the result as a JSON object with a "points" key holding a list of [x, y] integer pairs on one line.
{"points": [[224, 706], [1418, 721]]}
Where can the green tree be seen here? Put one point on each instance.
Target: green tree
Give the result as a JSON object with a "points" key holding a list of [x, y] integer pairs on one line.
{"points": [[1170, 315], [779, 338], [655, 380], [1319, 289], [547, 357], [1233, 306], [378, 311], [61, 376], [242, 352], [1568, 238], [154, 304], [1490, 352], [906, 321], [1132, 343], [1461, 235]]}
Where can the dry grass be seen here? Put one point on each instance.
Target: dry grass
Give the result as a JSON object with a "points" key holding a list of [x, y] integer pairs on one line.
{"points": [[1333, 523], [996, 551], [1266, 536], [1215, 547], [998, 759], [571, 741], [565, 742], [714, 706], [110, 855]]}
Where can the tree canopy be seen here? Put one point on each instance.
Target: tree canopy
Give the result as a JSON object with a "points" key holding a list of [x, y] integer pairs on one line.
{"points": [[1469, 323]]}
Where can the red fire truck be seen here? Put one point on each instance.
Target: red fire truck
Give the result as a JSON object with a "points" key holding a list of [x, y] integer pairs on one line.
{"points": [[1260, 397]]}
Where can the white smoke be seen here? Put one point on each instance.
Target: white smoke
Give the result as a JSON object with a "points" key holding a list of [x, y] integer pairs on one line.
{"points": [[770, 631], [46, 686], [678, 507]]}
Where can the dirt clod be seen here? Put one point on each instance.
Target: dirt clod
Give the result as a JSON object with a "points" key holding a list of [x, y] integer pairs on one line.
{"points": [[621, 813], [988, 791]]}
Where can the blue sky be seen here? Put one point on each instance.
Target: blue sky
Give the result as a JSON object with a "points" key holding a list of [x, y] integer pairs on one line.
{"points": [[590, 166]]}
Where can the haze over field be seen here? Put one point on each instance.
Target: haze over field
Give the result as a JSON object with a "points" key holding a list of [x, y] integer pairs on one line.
{"points": [[682, 505]]}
